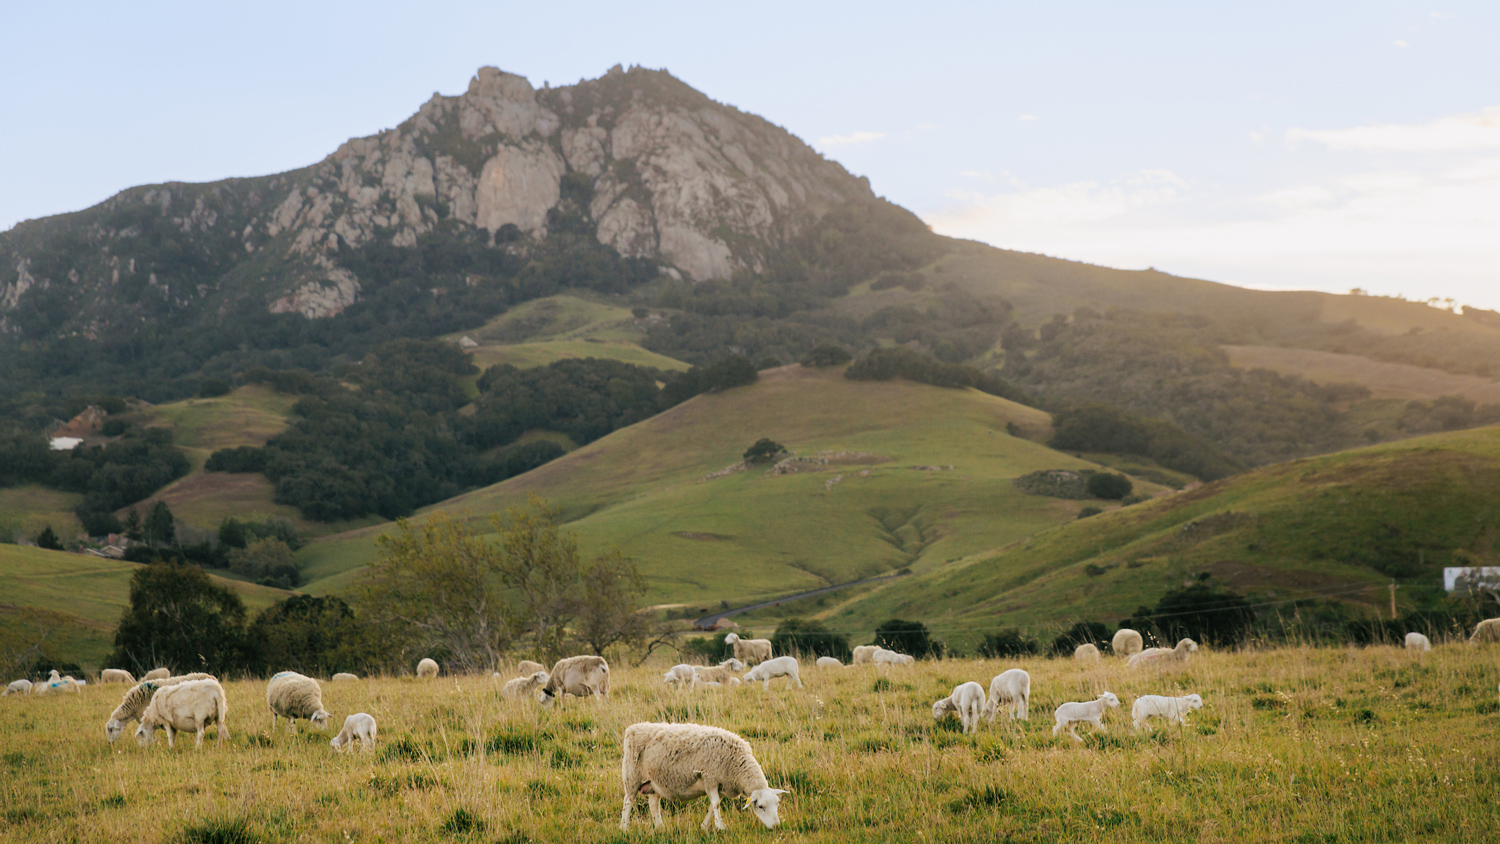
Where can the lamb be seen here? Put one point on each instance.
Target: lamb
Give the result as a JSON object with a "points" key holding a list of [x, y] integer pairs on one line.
{"points": [[1177, 654], [577, 675], [967, 701], [721, 673], [1086, 652], [681, 761], [192, 705], [18, 687], [360, 725], [749, 651], [829, 662], [157, 674], [1487, 631], [1011, 686], [427, 669], [1170, 708], [864, 654], [293, 696], [116, 675], [1417, 642], [781, 666], [1126, 642], [526, 667], [523, 685], [1092, 712], [137, 698], [344, 677], [885, 657], [681, 675]]}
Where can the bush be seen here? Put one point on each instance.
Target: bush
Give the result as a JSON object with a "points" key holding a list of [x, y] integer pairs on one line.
{"points": [[764, 451], [212, 388], [711, 649], [1007, 642], [1109, 486], [827, 354], [1204, 614], [807, 639], [889, 362], [1085, 512], [1083, 632], [1099, 427], [245, 458], [48, 539], [267, 559], [907, 637], [114, 427]]}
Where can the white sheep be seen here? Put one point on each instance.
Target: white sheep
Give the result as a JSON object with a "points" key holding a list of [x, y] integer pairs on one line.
{"points": [[864, 654], [1126, 642], [59, 684], [291, 695], [1177, 654], [1092, 712], [829, 662], [1486, 631], [116, 675], [1174, 709], [157, 674], [137, 698], [1011, 686], [887, 657], [344, 677], [577, 675], [523, 685], [749, 651], [721, 673], [683, 761], [526, 667], [192, 705], [681, 676], [967, 701], [427, 669], [18, 687], [1086, 652], [1417, 642], [781, 666], [360, 725]]}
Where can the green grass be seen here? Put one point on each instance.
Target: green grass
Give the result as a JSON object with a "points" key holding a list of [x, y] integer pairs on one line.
{"points": [[26, 511], [528, 355], [556, 318]]}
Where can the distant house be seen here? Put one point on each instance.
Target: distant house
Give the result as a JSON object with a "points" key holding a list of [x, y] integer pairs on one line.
{"points": [[64, 443], [1467, 578]]}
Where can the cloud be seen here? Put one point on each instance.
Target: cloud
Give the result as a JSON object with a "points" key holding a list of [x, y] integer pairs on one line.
{"points": [[1026, 118], [1075, 202], [1461, 132], [1399, 43], [851, 138]]}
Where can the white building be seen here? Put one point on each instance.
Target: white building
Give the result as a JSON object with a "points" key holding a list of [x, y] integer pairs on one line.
{"points": [[1470, 576]]}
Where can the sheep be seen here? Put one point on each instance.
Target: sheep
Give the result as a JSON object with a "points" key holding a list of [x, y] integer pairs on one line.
{"points": [[1086, 652], [781, 666], [1487, 631], [293, 696], [885, 657], [116, 675], [344, 677], [864, 654], [360, 725], [1170, 708], [157, 674], [721, 673], [1011, 686], [1092, 712], [18, 687], [60, 684], [829, 662], [523, 685], [192, 705], [681, 761], [967, 701], [1126, 642], [681, 676], [577, 675], [526, 667], [1417, 642], [749, 651], [137, 698], [427, 669], [1177, 654]]}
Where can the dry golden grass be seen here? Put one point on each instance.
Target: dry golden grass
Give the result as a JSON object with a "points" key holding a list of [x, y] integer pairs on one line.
{"points": [[1292, 745]]}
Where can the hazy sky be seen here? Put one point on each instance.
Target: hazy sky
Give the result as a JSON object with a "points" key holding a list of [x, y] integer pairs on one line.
{"points": [[1324, 145]]}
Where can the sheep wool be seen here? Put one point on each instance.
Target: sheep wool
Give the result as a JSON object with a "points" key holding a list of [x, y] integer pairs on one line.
{"points": [[577, 675], [864, 654], [344, 677], [1486, 632], [116, 675], [292, 696], [721, 673], [1153, 655], [192, 705], [157, 674], [523, 685], [677, 762], [18, 687], [881, 656], [1011, 686], [967, 702], [1086, 652], [427, 669], [749, 651], [137, 698], [526, 667], [1126, 642], [360, 725], [1417, 642], [781, 666], [681, 676], [1091, 712], [829, 662], [1173, 709]]}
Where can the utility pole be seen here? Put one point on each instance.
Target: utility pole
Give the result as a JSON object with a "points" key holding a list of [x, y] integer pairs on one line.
{"points": [[1393, 600]]}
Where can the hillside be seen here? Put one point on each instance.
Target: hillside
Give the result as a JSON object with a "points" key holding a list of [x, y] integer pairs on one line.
{"points": [[541, 331], [888, 500], [1384, 379]]}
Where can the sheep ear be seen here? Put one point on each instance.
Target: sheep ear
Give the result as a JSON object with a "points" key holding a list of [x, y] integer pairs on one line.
{"points": [[781, 791]]}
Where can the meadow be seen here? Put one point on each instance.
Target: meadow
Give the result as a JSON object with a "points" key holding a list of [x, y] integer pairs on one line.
{"points": [[1297, 745]]}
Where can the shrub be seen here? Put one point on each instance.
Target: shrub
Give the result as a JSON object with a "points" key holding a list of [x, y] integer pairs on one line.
{"points": [[1205, 614], [1109, 486], [1085, 512], [809, 638], [764, 451], [1007, 642], [711, 649], [1083, 632], [212, 388], [48, 539], [114, 427], [827, 354], [907, 637], [245, 458]]}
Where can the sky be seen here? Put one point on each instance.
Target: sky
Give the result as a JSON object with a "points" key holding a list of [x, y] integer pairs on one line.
{"points": [[1283, 145]]}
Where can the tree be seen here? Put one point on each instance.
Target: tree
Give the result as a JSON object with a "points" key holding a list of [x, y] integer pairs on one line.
{"points": [[48, 539], [210, 388], [810, 638], [313, 635], [133, 528], [232, 533], [180, 618], [764, 451], [161, 526], [1205, 614], [907, 637], [268, 562], [1007, 642], [611, 613], [828, 354], [1109, 486]]}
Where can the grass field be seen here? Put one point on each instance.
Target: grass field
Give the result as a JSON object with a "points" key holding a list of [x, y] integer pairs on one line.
{"points": [[1385, 380], [1297, 745], [556, 318], [26, 511], [528, 355]]}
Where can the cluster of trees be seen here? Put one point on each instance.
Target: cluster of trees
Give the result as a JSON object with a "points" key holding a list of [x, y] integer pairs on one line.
{"points": [[584, 399], [1445, 413], [1102, 428], [888, 362]]}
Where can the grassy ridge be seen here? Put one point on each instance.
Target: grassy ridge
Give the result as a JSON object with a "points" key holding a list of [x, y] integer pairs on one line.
{"points": [[528, 355], [1292, 745], [1385, 380]]}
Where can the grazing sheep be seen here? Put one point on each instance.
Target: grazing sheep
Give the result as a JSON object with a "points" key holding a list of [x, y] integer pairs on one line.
{"points": [[137, 698], [682, 761], [721, 673], [1417, 642], [749, 651], [885, 657], [526, 667], [1487, 631], [1086, 652], [523, 685], [681, 676], [781, 666], [577, 675], [1126, 642], [344, 677], [157, 674], [292, 696], [18, 687], [60, 684], [116, 675], [864, 654], [829, 662], [1170, 708], [192, 705], [1092, 712], [1177, 654], [1011, 686], [427, 669], [360, 725], [967, 701]]}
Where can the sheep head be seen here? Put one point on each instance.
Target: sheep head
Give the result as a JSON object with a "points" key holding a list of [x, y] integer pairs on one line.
{"points": [[113, 730], [1110, 699], [763, 802], [319, 720]]}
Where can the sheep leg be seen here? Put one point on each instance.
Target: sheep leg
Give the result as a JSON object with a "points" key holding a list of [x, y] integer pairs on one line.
{"points": [[625, 813], [201, 729], [798, 678], [1021, 711], [713, 810], [655, 802], [1072, 731], [170, 731], [767, 685]]}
